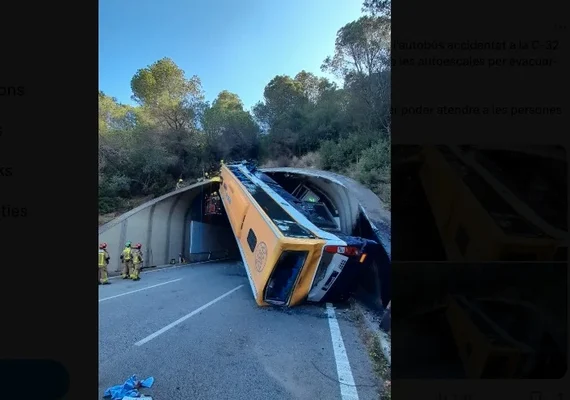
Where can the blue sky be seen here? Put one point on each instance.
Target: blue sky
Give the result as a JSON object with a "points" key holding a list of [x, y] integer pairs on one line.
{"points": [[236, 45]]}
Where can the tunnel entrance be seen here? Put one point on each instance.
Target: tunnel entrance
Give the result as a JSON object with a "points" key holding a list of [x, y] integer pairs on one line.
{"points": [[208, 234]]}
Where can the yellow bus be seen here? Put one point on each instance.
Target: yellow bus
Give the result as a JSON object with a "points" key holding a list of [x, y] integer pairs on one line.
{"points": [[486, 350], [292, 250], [480, 214]]}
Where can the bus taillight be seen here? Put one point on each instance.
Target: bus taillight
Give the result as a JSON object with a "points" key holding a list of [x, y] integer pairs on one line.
{"points": [[344, 250]]}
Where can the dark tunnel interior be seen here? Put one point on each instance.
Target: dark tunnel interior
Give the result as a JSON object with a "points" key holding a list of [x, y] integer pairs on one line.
{"points": [[208, 234]]}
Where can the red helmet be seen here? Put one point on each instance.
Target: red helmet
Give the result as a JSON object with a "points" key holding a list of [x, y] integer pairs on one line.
{"points": [[138, 246], [103, 246]]}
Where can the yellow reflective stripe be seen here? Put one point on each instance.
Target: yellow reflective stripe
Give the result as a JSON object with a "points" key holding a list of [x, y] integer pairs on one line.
{"points": [[102, 258]]}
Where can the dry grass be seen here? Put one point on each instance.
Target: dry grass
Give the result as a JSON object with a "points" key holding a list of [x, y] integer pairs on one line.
{"points": [[379, 362], [309, 160], [382, 190], [103, 219], [130, 204]]}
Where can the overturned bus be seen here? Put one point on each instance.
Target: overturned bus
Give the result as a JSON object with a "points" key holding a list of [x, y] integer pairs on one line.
{"points": [[292, 249], [486, 209]]}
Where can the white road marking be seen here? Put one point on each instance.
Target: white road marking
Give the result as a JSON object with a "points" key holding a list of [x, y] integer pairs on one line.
{"points": [[139, 290], [184, 318], [347, 387]]}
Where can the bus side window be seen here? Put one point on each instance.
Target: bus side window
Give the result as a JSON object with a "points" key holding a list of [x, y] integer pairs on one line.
{"points": [[251, 240]]}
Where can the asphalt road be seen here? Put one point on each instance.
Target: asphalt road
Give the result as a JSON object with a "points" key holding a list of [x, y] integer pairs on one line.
{"points": [[230, 348]]}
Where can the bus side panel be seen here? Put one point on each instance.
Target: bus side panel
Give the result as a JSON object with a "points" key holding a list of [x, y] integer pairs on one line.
{"points": [[441, 191], [463, 224], [466, 228], [262, 247], [472, 230], [437, 179], [235, 201]]}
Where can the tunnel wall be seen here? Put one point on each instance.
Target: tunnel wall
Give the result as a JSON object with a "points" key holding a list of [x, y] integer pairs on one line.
{"points": [[159, 225]]}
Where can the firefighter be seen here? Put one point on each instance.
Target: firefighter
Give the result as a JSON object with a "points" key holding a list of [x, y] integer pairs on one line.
{"points": [[137, 262], [127, 260], [104, 258], [179, 184]]}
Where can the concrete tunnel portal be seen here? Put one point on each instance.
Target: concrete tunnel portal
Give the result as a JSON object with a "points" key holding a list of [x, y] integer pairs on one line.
{"points": [[175, 223]]}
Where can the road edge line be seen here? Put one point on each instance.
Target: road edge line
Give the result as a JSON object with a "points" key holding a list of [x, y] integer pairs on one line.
{"points": [[346, 380]]}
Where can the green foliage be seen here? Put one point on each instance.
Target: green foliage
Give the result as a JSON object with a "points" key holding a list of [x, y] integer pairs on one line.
{"points": [[373, 168], [231, 132], [305, 120], [340, 155], [361, 46], [378, 7], [111, 192], [166, 95]]}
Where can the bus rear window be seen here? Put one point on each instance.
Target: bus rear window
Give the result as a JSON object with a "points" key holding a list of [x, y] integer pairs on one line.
{"points": [[284, 276]]}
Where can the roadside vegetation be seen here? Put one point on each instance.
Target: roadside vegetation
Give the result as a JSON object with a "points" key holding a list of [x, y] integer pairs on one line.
{"points": [[302, 120], [380, 363]]}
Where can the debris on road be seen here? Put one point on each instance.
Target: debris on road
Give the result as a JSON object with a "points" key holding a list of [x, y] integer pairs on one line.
{"points": [[138, 398], [129, 389]]}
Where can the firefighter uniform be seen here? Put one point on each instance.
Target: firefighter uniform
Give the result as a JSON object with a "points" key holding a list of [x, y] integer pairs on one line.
{"points": [[103, 262], [127, 259], [137, 262]]}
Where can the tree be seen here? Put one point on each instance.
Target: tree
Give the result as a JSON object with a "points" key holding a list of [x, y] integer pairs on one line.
{"points": [[231, 132], [362, 58], [114, 116], [312, 86], [282, 95], [369, 99], [298, 113], [378, 7], [362, 46], [116, 123], [163, 90]]}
